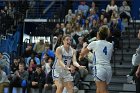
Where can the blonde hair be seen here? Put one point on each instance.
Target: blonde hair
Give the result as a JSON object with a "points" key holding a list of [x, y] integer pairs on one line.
{"points": [[67, 35], [103, 32]]}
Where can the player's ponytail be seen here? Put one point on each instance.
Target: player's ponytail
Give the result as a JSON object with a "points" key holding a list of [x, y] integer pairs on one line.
{"points": [[103, 32]]}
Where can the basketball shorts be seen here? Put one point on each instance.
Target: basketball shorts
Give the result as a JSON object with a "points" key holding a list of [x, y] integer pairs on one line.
{"points": [[102, 73], [62, 74]]}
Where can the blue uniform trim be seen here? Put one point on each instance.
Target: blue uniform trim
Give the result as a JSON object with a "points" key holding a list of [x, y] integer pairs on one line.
{"points": [[95, 69], [53, 68], [94, 62], [53, 74]]}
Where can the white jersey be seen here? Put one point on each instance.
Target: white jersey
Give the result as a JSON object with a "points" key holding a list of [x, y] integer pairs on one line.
{"points": [[66, 57], [102, 52], [58, 72]]}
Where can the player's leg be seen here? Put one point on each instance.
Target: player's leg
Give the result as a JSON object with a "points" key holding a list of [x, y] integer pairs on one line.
{"points": [[101, 87], [59, 84], [102, 79], [68, 82], [58, 81], [69, 86]]}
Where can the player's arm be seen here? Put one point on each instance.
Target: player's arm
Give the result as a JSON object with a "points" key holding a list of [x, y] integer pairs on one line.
{"points": [[138, 71], [84, 51], [59, 57], [75, 63]]}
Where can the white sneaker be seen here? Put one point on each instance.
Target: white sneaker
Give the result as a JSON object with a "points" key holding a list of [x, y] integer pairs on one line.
{"points": [[129, 78]]}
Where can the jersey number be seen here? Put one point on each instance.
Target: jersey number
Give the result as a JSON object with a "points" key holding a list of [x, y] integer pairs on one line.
{"points": [[105, 50], [65, 62]]}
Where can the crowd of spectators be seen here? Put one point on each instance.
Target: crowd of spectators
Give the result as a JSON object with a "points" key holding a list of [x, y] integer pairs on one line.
{"points": [[33, 68], [11, 13]]}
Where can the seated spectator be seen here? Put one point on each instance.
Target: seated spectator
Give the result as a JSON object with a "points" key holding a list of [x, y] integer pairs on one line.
{"points": [[31, 67], [38, 79], [93, 30], [49, 80], [110, 8], [73, 20], [114, 16], [115, 25], [9, 8], [47, 66], [83, 7], [57, 30], [47, 51], [93, 6], [28, 51], [39, 47], [33, 57], [115, 29], [79, 19], [76, 77], [44, 59], [101, 20], [68, 17], [105, 23], [19, 79], [69, 28], [105, 14], [15, 65], [4, 63], [54, 43], [77, 32], [86, 25], [80, 44], [92, 16], [94, 27], [84, 62], [4, 82], [125, 11], [63, 28]]}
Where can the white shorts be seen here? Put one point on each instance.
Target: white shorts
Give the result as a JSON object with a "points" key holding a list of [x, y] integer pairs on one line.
{"points": [[102, 73], [59, 74]]}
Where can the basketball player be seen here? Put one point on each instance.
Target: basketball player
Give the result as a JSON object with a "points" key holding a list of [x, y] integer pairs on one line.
{"points": [[138, 70], [65, 54], [102, 51]]}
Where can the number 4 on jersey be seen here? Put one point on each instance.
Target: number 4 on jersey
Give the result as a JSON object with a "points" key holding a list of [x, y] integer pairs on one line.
{"points": [[105, 50]]}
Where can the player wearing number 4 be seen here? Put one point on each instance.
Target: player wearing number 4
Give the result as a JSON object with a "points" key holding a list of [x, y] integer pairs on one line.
{"points": [[102, 51], [65, 54]]}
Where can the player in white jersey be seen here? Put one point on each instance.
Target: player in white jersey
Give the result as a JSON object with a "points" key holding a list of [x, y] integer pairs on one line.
{"points": [[65, 54], [102, 51]]}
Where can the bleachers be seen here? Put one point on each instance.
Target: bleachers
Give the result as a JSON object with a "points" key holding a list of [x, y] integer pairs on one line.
{"points": [[46, 10]]}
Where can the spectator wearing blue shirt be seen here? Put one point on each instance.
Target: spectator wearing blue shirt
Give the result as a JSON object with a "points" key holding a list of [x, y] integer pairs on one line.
{"points": [[47, 51], [33, 57], [92, 16], [4, 63], [83, 7]]}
